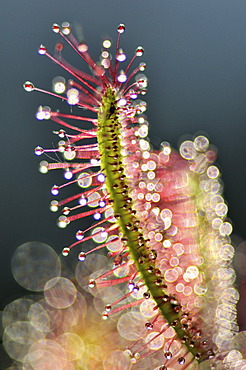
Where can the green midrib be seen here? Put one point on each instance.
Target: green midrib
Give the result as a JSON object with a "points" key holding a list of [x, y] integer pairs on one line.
{"points": [[109, 143]]}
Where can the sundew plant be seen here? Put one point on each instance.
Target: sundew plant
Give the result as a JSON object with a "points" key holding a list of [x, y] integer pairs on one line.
{"points": [[154, 285]]}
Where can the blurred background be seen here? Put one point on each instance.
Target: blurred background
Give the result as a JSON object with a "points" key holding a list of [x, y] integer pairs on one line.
{"points": [[196, 64]]}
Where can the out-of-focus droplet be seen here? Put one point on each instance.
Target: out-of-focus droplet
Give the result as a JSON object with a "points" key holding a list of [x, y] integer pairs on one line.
{"points": [[122, 77], [43, 167], [201, 143], [106, 44], [213, 172], [84, 180], [33, 264], [187, 150], [142, 66], [60, 292], [43, 113], [72, 344], [131, 326], [59, 84], [54, 205], [66, 28]]}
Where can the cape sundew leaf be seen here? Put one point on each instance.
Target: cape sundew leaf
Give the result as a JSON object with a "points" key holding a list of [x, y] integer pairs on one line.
{"points": [[159, 214]]}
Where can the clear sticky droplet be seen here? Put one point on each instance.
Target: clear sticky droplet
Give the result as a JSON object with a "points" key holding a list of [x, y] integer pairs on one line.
{"points": [[28, 86], [42, 49], [181, 360], [97, 216], [56, 28], [108, 308], [133, 94], [66, 211], [139, 51], [101, 177], [102, 203], [82, 256], [79, 235], [68, 174], [149, 326], [105, 316], [121, 56], [168, 355], [55, 190], [121, 28], [92, 284], [39, 150], [82, 201], [61, 133], [65, 251], [122, 102]]}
